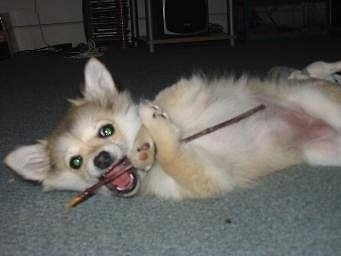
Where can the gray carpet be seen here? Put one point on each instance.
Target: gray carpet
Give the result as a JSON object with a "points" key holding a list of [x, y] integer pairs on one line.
{"points": [[294, 212]]}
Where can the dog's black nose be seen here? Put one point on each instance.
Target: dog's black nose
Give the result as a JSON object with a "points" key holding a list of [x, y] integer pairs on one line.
{"points": [[103, 160]]}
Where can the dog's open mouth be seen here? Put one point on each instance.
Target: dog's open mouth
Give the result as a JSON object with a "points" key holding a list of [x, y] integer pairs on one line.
{"points": [[121, 178]]}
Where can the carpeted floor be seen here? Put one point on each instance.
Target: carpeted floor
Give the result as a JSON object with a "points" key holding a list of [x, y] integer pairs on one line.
{"points": [[295, 212]]}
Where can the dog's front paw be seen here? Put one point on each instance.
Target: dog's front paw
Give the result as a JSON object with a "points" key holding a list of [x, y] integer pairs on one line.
{"points": [[149, 111], [143, 154], [157, 121]]}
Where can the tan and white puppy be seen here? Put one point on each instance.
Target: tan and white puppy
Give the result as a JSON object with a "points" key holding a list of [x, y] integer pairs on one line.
{"points": [[301, 123]]}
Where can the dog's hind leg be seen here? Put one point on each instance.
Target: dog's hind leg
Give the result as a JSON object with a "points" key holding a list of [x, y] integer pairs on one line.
{"points": [[325, 152], [319, 70], [318, 99], [322, 69], [312, 110]]}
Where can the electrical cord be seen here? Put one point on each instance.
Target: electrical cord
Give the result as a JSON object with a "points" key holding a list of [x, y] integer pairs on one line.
{"points": [[86, 51], [79, 52]]}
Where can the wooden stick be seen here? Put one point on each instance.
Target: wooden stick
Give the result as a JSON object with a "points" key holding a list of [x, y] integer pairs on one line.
{"points": [[224, 124], [125, 164]]}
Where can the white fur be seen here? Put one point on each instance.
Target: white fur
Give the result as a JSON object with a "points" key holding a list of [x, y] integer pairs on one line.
{"points": [[302, 122]]}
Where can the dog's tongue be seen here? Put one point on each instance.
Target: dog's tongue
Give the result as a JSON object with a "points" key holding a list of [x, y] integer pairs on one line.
{"points": [[123, 180], [121, 177]]}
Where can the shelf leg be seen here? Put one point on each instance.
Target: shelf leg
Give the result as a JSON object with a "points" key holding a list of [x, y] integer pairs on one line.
{"points": [[231, 22]]}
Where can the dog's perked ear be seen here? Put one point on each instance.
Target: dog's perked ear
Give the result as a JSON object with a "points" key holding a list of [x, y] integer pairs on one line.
{"points": [[31, 161], [99, 84]]}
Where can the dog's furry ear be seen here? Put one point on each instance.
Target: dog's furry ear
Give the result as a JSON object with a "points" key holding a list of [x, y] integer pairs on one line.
{"points": [[99, 84], [31, 161]]}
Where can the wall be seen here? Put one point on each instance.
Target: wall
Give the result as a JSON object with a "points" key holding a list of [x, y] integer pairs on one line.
{"points": [[61, 22]]}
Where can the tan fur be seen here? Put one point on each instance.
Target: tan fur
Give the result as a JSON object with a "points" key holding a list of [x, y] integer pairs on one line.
{"points": [[301, 123]]}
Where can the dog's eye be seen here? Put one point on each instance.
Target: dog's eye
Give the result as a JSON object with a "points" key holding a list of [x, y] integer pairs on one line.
{"points": [[76, 162], [106, 131]]}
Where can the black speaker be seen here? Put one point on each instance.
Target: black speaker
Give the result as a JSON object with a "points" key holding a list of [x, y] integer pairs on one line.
{"points": [[171, 18]]}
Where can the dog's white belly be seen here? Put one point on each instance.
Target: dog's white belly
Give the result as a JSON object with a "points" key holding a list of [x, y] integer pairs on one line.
{"points": [[249, 140], [253, 134]]}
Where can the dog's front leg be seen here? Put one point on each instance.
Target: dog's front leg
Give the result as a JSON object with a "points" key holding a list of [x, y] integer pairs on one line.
{"points": [[188, 166]]}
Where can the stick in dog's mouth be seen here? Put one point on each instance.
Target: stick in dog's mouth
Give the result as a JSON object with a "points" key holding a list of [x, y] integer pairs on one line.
{"points": [[120, 178]]}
